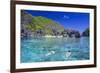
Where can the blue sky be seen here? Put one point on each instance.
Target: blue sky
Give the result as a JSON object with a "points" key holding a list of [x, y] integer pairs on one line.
{"points": [[71, 20]]}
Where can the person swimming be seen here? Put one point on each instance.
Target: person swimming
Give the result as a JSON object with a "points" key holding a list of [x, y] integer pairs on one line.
{"points": [[68, 53], [50, 53]]}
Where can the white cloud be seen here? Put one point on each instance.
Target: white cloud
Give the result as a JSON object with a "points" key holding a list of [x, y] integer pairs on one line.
{"points": [[66, 17]]}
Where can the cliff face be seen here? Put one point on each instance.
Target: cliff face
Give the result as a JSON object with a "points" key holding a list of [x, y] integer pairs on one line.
{"points": [[71, 33], [26, 19], [39, 26]]}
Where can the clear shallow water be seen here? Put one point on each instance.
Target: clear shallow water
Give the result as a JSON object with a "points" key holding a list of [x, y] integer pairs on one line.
{"points": [[54, 49]]}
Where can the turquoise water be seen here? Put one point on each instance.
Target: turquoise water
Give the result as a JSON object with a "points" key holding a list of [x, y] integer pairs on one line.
{"points": [[54, 49]]}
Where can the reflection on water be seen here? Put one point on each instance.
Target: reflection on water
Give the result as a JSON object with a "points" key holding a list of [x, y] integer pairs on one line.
{"points": [[54, 49]]}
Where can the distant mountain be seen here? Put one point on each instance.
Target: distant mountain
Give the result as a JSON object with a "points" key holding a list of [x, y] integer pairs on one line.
{"points": [[86, 32], [38, 25]]}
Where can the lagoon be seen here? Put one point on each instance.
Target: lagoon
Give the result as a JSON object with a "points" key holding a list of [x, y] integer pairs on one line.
{"points": [[54, 49]]}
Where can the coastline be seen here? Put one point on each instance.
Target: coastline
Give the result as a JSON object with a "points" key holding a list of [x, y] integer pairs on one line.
{"points": [[50, 36]]}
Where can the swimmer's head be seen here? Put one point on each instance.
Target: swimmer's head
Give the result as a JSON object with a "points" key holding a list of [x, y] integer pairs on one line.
{"points": [[69, 51]]}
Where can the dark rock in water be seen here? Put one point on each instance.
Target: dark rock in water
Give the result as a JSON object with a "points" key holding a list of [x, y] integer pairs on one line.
{"points": [[65, 33], [71, 33], [86, 33], [75, 34]]}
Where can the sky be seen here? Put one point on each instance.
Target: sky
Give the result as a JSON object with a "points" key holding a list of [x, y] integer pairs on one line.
{"points": [[69, 20]]}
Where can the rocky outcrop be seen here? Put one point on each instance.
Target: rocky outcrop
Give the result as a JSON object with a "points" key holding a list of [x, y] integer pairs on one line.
{"points": [[86, 33], [71, 33]]}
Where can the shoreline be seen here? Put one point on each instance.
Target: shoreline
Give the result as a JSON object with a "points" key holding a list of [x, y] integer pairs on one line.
{"points": [[47, 36]]}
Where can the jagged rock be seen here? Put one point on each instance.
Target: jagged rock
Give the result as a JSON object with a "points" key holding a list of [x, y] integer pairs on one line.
{"points": [[71, 33], [86, 33]]}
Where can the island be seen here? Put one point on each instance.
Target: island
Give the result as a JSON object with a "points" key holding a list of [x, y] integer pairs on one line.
{"points": [[39, 26]]}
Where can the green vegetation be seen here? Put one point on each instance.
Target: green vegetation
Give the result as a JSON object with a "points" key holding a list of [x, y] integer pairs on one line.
{"points": [[44, 24]]}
